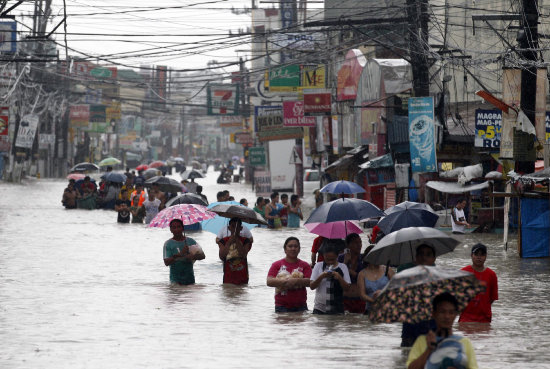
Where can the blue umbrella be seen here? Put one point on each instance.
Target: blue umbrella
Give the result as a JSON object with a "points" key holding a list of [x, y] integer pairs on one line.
{"points": [[215, 224], [344, 209], [407, 218], [343, 187], [114, 177]]}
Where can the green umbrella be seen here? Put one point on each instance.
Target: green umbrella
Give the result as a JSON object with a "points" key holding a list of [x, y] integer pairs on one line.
{"points": [[109, 161]]}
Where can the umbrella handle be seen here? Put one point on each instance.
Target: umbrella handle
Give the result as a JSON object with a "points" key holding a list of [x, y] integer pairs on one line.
{"points": [[387, 268]]}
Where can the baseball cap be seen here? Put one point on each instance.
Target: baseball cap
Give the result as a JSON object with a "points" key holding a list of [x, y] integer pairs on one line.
{"points": [[479, 246]]}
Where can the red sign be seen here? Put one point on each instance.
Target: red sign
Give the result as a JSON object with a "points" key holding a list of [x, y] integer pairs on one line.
{"points": [[293, 115], [317, 103], [244, 138], [79, 115], [4, 120], [349, 74]]}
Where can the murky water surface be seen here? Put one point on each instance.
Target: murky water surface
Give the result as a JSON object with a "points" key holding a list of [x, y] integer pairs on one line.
{"points": [[79, 290]]}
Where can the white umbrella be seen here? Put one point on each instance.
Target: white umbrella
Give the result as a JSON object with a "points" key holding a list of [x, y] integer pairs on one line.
{"points": [[399, 247]]}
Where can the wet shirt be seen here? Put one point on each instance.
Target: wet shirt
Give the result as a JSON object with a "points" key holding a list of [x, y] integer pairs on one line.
{"points": [[329, 294], [181, 271], [235, 268], [458, 215], [479, 308], [151, 209], [454, 351], [123, 215], [291, 298]]}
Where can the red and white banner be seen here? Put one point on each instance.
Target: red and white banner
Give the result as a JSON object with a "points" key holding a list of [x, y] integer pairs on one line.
{"points": [[293, 115], [317, 103], [79, 115], [4, 120]]}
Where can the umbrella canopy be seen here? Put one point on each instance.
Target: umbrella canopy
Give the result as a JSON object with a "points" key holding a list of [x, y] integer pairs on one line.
{"points": [[409, 295], [76, 176], [114, 177], [214, 225], [403, 217], [408, 205], [150, 173], [187, 198], [344, 209], [187, 213], [247, 215], [339, 229], [343, 187], [142, 167], [189, 174], [109, 161], [157, 164], [399, 247], [84, 167], [178, 159], [166, 184]]}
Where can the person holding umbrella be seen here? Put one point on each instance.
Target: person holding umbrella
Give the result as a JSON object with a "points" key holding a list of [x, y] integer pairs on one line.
{"points": [[233, 252], [440, 348], [331, 279], [179, 253]]}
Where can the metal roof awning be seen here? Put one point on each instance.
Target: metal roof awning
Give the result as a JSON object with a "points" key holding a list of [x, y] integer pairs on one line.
{"points": [[383, 161], [455, 187], [343, 161]]}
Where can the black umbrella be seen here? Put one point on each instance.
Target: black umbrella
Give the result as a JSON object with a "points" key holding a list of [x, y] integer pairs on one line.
{"points": [[187, 198], [165, 184], [190, 174], [344, 209], [242, 212], [84, 167]]}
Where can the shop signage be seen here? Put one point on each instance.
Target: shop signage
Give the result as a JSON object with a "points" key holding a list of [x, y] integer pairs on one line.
{"points": [[317, 103], [293, 115], [262, 183], [79, 115], [222, 99], [231, 121], [27, 131], [256, 156], [488, 128], [422, 134], [4, 120]]}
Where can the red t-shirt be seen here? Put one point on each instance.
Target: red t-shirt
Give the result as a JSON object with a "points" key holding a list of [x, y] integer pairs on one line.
{"points": [[235, 269], [479, 309], [291, 298], [317, 242]]}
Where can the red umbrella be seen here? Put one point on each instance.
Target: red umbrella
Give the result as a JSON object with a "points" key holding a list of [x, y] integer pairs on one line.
{"points": [[157, 164], [142, 167]]}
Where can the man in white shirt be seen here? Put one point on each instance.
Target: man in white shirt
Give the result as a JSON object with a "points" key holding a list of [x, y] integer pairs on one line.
{"points": [[224, 232], [458, 219]]}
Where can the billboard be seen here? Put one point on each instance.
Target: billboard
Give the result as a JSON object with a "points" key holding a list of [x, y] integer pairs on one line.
{"points": [[488, 128], [422, 134], [349, 75], [293, 115], [285, 78], [222, 99], [79, 116], [317, 103]]}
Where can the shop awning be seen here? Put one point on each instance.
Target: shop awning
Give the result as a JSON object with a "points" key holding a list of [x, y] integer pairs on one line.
{"points": [[343, 161], [455, 187]]}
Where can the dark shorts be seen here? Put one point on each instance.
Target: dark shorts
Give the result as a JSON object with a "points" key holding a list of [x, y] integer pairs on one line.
{"points": [[282, 309], [316, 311]]}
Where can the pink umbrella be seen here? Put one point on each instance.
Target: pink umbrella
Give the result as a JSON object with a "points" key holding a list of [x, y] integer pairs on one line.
{"points": [[76, 176], [156, 164], [187, 213], [338, 229]]}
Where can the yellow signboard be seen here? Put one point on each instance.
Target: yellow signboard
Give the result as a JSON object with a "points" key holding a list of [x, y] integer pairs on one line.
{"points": [[314, 76]]}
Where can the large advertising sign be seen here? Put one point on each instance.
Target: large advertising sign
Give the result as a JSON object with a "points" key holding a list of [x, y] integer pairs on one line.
{"points": [[488, 128], [284, 79], [27, 131], [349, 74], [269, 124], [317, 103], [222, 99], [293, 115], [422, 134]]}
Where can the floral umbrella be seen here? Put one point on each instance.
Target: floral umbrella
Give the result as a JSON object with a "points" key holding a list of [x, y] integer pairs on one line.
{"points": [[409, 295], [187, 213]]}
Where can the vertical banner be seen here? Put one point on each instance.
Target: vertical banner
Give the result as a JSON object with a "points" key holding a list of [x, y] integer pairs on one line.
{"points": [[4, 120], [540, 109], [335, 134], [547, 135], [511, 95], [422, 134], [27, 131]]}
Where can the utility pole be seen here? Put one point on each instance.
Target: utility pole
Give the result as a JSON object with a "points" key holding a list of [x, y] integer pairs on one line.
{"points": [[528, 42], [418, 19]]}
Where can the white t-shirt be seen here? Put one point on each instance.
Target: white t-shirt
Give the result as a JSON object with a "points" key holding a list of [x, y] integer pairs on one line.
{"points": [[224, 232], [321, 294], [151, 209], [458, 215]]}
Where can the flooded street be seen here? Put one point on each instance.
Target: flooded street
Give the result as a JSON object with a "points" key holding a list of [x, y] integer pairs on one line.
{"points": [[79, 290]]}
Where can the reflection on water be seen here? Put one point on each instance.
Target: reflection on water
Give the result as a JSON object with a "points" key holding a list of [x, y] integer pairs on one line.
{"points": [[79, 290]]}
